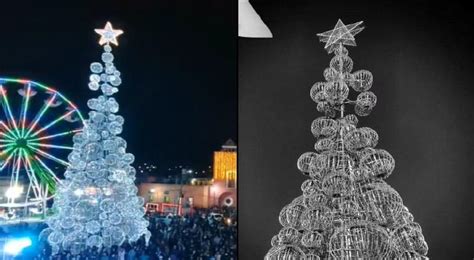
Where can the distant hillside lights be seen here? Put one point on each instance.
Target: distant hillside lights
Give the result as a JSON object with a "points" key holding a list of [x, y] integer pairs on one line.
{"points": [[146, 168]]}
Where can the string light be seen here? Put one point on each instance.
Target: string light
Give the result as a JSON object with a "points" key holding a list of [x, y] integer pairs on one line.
{"points": [[225, 165]]}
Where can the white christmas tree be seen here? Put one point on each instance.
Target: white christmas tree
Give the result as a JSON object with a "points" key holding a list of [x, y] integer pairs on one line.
{"points": [[96, 205], [347, 210]]}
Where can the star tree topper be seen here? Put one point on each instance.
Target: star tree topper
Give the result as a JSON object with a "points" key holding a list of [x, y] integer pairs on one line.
{"points": [[108, 34], [340, 34]]}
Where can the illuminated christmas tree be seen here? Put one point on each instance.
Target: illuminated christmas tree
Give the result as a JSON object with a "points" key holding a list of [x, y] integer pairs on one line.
{"points": [[347, 210], [96, 205]]}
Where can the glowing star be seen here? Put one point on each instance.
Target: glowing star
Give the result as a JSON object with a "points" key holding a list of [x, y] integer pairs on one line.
{"points": [[108, 34], [341, 33]]}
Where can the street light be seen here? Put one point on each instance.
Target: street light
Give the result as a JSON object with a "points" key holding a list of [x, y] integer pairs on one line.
{"points": [[14, 192]]}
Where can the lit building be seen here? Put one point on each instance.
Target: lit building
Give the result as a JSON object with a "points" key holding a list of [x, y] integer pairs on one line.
{"points": [[180, 198], [225, 175]]}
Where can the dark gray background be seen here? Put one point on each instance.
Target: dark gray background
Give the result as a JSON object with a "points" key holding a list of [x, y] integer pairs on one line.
{"points": [[421, 57]]}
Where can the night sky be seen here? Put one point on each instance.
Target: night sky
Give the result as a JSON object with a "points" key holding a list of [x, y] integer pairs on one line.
{"points": [[421, 57], [178, 64]]}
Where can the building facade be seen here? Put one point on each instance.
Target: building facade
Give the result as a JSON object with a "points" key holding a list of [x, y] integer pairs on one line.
{"points": [[221, 190]]}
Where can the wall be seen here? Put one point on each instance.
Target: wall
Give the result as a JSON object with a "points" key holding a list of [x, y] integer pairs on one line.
{"points": [[200, 194], [203, 196]]}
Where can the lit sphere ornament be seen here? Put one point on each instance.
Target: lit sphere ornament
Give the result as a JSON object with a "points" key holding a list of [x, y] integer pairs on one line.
{"points": [[342, 63]]}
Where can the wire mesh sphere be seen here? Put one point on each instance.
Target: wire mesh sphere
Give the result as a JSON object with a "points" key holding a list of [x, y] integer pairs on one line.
{"points": [[380, 203], [409, 238], [324, 144], [365, 102], [338, 143], [315, 218], [333, 161], [344, 212], [362, 241], [360, 138], [331, 74], [410, 255], [285, 252], [379, 163], [315, 200], [275, 241], [362, 184], [298, 200], [305, 161], [311, 187], [312, 257], [341, 63], [348, 206], [336, 92], [323, 106], [293, 215], [345, 128], [289, 235], [326, 108], [359, 174], [362, 80], [349, 121], [364, 152], [362, 111], [282, 217], [317, 92], [325, 127], [348, 78], [312, 239], [366, 99], [405, 217], [320, 96], [336, 184]]}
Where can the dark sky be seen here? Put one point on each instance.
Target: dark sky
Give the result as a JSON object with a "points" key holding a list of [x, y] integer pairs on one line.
{"points": [[178, 64], [422, 60]]}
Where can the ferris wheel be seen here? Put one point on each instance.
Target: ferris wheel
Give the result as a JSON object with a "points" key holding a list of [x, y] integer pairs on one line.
{"points": [[36, 127]]}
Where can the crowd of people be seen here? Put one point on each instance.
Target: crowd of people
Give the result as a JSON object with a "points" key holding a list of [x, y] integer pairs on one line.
{"points": [[207, 234]]}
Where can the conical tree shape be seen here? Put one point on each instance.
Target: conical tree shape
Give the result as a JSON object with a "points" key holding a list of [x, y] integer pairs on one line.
{"points": [[97, 203], [347, 211]]}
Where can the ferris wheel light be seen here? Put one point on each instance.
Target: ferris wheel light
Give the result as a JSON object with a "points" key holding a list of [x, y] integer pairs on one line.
{"points": [[28, 111], [14, 192]]}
